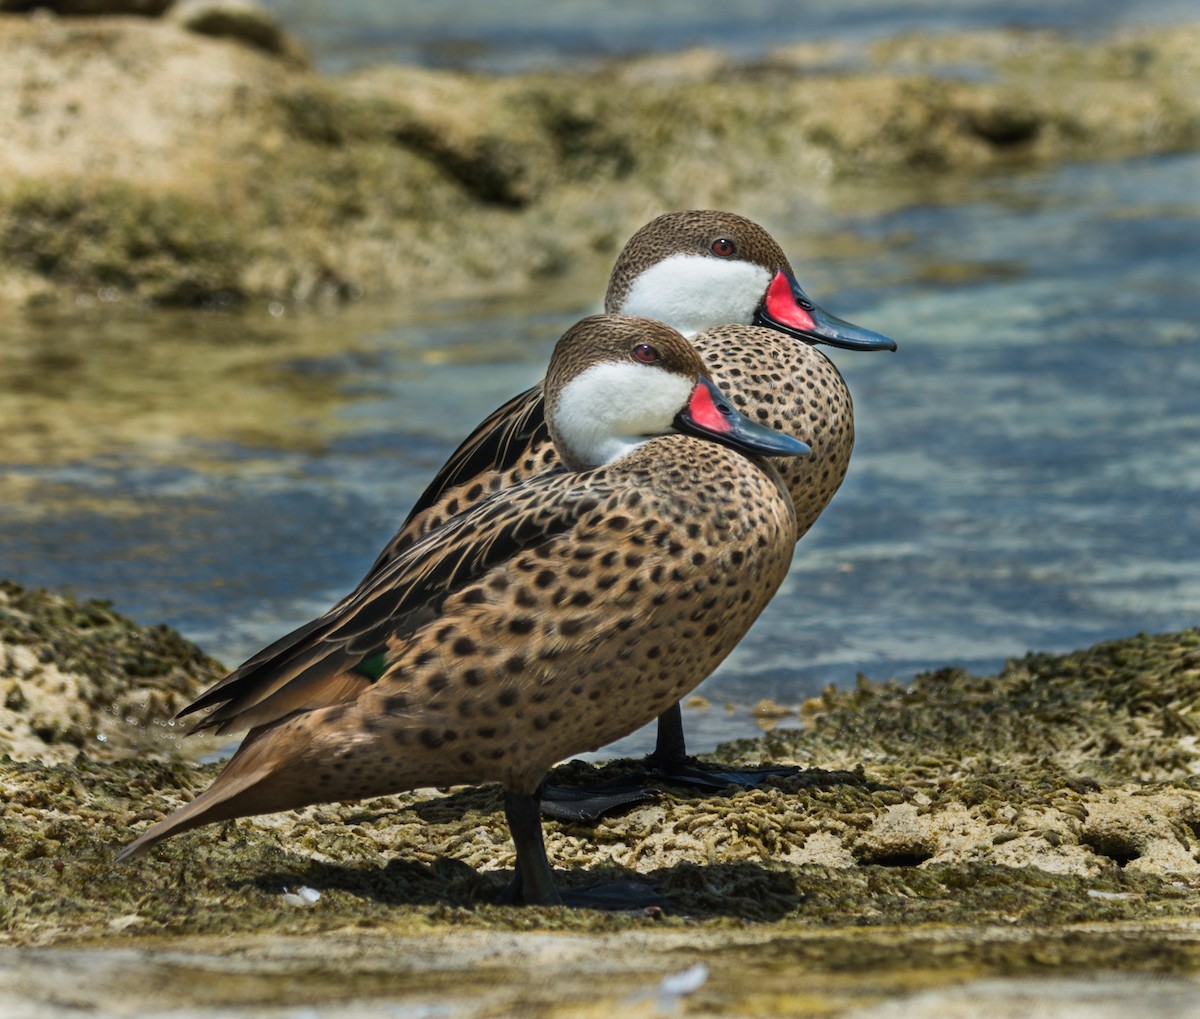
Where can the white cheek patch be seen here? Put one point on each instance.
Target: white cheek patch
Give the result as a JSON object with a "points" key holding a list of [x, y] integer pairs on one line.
{"points": [[612, 408], [693, 292]]}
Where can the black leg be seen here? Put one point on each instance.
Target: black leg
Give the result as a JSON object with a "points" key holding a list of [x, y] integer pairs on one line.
{"points": [[511, 896], [533, 881], [670, 760], [670, 747]]}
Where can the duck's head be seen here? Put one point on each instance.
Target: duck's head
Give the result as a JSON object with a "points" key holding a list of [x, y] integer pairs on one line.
{"points": [[704, 268], [617, 381]]}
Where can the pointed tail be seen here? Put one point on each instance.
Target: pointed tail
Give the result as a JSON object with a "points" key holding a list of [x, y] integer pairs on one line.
{"points": [[219, 802], [261, 778]]}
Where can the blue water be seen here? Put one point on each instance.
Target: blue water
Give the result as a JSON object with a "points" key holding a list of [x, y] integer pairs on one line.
{"points": [[1028, 465], [523, 34], [1026, 475]]}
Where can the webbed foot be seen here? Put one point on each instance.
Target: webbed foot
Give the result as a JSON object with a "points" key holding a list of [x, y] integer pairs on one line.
{"points": [[688, 771], [589, 805]]}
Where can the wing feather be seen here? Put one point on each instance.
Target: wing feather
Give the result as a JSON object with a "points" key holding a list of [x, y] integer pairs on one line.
{"points": [[301, 670]]}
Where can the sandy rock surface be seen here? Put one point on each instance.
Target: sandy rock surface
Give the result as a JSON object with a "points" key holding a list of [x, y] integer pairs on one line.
{"points": [[79, 677]]}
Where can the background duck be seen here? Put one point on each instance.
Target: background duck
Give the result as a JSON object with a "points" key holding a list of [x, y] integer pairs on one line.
{"points": [[549, 619], [723, 281]]}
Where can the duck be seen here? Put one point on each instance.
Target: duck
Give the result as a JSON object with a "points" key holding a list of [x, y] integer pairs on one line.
{"points": [[552, 617], [723, 282]]}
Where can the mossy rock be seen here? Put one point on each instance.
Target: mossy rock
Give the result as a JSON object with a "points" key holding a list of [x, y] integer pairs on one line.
{"points": [[191, 170], [77, 676], [961, 800]]}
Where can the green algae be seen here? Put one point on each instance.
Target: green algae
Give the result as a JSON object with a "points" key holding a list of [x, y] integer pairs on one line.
{"points": [[77, 674], [1122, 710], [91, 635], [401, 865], [169, 248]]}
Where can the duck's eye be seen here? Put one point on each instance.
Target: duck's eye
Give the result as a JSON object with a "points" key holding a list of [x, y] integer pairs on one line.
{"points": [[723, 247], [646, 353]]}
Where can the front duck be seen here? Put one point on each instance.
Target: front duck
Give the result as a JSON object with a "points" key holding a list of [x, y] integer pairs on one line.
{"points": [[549, 619]]}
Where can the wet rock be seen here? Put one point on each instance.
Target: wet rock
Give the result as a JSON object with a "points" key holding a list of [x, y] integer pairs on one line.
{"points": [[78, 677], [172, 167], [1102, 996]]}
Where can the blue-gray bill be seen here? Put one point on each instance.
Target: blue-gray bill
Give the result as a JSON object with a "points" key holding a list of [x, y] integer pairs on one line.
{"points": [[789, 309]]}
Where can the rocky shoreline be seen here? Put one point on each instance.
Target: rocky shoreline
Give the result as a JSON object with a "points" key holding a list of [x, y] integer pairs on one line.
{"points": [[154, 163], [1042, 819]]}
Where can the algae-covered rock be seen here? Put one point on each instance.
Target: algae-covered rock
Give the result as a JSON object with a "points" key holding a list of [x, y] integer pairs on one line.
{"points": [[162, 165], [90, 8], [1036, 822], [1126, 710], [78, 677], [244, 20], [962, 800]]}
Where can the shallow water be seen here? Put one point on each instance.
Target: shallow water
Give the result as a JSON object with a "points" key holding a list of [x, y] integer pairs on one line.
{"points": [[1026, 473]]}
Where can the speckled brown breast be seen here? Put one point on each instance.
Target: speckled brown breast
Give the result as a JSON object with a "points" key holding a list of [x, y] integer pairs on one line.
{"points": [[793, 388], [571, 644]]}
